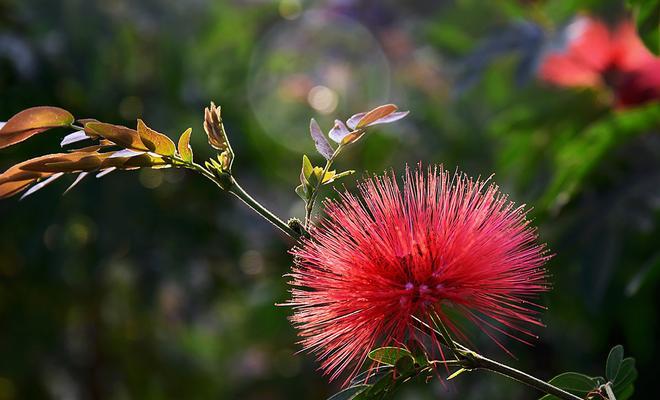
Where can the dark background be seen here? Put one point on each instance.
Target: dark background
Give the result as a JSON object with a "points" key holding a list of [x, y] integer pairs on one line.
{"points": [[154, 284]]}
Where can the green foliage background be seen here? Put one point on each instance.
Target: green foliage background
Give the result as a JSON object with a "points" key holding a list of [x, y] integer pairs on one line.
{"points": [[156, 285]]}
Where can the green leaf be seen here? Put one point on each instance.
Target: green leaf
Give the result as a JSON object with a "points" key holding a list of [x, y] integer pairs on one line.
{"points": [[613, 364], [184, 146], [307, 169], [625, 393], [380, 389], [302, 192], [405, 365], [225, 157], [329, 176], [372, 374], [32, 121], [573, 382], [350, 392], [455, 374], [421, 358], [626, 376], [336, 176], [389, 355]]}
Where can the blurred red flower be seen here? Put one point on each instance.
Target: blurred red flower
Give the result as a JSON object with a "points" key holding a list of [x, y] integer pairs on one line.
{"points": [[597, 55], [391, 254]]}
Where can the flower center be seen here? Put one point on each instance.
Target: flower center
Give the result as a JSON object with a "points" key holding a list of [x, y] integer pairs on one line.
{"points": [[415, 295]]}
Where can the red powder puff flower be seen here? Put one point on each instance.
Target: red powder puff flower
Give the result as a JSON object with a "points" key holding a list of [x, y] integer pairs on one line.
{"points": [[382, 261], [599, 56]]}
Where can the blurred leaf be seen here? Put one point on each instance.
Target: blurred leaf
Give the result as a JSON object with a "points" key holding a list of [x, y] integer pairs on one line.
{"points": [[573, 382], [647, 19], [389, 355], [576, 158], [184, 146], [613, 363], [450, 37], [349, 393], [523, 38], [321, 143], [121, 135], [648, 273], [31, 122], [155, 141]]}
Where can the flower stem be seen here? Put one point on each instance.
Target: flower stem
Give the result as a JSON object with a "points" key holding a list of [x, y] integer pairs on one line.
{"points": [[469, 359], [232, 186], [477, 361], [239, 192], [309, 207]]}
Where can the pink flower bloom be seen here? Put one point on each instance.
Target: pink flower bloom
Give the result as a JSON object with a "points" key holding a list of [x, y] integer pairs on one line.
{"points": [[379, 259], [599, 56]]}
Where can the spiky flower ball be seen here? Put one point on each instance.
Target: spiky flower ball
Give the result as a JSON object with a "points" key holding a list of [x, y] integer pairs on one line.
{"points": [[383, 261]]}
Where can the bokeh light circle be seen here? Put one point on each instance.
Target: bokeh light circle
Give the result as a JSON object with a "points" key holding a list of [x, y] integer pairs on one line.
{"points": [[321, 65]]}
